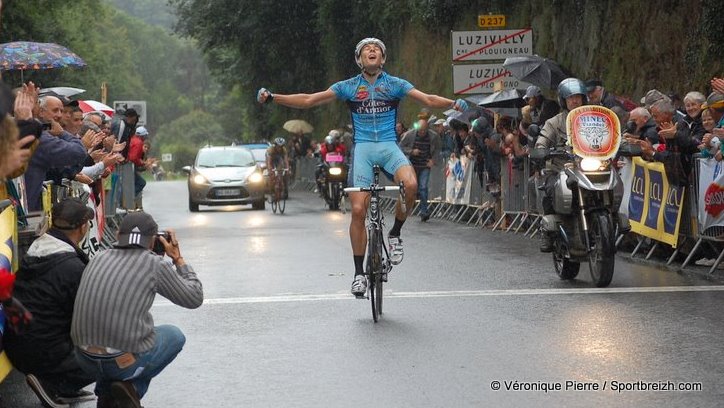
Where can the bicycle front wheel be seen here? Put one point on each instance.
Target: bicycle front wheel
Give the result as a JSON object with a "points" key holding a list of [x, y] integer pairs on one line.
{"points": [[374, 269]]}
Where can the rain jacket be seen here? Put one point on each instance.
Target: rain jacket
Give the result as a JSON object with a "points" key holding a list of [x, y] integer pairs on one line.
{"points": [[46, 284]]}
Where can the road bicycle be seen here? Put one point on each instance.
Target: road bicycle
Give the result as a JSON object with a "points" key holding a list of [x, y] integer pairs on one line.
{"points": [[278, 200], [378, 263]]}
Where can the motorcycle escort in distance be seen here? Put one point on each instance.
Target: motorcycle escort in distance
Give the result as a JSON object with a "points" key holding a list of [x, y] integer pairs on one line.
{"points": [[587, 194], [333, 180]]}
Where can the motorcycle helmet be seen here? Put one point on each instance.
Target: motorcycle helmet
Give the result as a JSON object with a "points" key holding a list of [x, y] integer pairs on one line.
{"points": [[280, 141], [366, 41], [329, 140], [569, 87]]}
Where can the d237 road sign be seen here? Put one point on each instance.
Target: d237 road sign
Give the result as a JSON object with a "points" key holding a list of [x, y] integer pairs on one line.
{"points": [[481, 78], [491, 44]]}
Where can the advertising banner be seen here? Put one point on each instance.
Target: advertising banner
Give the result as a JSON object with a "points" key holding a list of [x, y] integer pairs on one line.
{"points": [[458, 173], [711, 193], [8, 264], [654, 207]]}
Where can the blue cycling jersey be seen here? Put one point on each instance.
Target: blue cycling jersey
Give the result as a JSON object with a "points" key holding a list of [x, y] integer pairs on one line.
{"points": [[373, 107]]}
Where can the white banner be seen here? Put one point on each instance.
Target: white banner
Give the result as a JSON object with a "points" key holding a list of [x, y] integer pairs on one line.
{"points": [[91, 243], [711, 193], [481, 78], [459, 174], [491, 44]]}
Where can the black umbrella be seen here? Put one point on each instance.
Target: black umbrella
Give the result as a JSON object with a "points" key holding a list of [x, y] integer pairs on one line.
{"points": [[536, 70], [509, 98]]}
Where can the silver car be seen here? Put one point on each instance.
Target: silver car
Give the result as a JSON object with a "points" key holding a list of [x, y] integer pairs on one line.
{"points": [[225, 175]]}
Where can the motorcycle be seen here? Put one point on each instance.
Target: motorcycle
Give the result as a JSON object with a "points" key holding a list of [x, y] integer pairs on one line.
{"points": [[333, 180], [587, 194]]}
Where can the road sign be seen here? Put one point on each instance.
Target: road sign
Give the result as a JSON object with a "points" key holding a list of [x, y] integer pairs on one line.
{"points": [[481, 78], [491, 20], [167, 157], [491, 44]]}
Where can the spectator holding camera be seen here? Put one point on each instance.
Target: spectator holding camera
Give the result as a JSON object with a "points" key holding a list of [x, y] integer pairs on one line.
{"points": [[112, 324]]}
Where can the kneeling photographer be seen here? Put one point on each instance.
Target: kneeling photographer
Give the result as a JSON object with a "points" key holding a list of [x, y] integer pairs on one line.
{"points": [[112, 324]]}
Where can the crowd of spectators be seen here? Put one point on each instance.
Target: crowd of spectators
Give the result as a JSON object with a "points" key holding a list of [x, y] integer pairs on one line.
{"points": [[45, 137]]}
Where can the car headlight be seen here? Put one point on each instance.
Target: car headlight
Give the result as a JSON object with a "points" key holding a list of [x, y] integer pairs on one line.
{"points": [[589, 164], [199, 179], [335, 171], [255, 177]]}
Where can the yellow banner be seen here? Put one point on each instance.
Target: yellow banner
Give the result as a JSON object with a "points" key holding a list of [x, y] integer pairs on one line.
{"points": [[8, 239], [654, 208], [8, 263]]}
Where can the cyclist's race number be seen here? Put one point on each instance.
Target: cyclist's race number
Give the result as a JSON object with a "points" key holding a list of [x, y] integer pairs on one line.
{"points": [[489, 20]]}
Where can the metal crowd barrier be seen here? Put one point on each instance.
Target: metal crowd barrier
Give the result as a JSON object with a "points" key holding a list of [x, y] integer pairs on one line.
{"points": [[520, 204]]}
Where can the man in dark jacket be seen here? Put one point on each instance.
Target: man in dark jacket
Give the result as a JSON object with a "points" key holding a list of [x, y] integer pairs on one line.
{"points": [[421, 145], [125, 128], [597, 95], [47, 283], [641, 126], [57, 149]]}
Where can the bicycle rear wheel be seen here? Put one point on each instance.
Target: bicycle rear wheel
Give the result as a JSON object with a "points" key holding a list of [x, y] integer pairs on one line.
{"points": [[374, 270]]}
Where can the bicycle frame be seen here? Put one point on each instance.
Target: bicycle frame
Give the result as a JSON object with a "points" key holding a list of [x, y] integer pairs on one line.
{"points": [[378, 257]]}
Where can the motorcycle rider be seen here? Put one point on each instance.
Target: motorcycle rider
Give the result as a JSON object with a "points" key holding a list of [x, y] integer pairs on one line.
{"points": [[276, 157], [331, 145], [572, 93]]}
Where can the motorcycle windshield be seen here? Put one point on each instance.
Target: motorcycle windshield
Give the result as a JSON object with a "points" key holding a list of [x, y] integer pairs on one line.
{"points": [[593, 132]]}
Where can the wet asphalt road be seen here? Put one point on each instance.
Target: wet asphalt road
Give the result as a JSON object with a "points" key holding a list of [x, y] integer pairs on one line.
{"points": [[467, 310]]}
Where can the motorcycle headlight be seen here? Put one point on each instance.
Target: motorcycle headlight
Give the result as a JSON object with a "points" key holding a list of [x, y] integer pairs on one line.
{"points": [[255, 177], [335, 171], [589, 164], [199, 179]]}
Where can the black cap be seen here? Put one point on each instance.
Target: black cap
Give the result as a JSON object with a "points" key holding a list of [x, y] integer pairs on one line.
{"points": [[70, 214], [591, 84], [482, 127], [137, 228]]}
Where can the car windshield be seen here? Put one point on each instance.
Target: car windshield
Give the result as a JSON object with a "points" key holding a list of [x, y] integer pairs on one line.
{"points": [[259, 154], [225, 158]]}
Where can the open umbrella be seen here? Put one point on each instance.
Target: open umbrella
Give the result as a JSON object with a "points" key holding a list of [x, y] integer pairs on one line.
{"points": [[298, 126], [91, 106], [509, 98], [536, 70], [61, 90], [24, 55]]}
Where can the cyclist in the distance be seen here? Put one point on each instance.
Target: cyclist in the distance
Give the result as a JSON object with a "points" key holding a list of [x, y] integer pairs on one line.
{"points": [[373, 98], [277, 158]]}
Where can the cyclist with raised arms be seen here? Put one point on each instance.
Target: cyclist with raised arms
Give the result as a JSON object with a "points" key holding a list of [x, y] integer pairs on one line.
{"points": [[373, 98]]}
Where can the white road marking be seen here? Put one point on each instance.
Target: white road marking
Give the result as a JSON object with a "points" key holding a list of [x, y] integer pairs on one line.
{"points": [[458, 293]]}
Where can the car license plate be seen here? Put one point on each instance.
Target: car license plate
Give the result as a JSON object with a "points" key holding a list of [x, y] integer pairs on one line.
{"points": [[226, 192]]}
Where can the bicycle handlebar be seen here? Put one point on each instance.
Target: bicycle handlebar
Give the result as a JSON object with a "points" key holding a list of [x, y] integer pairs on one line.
{"points": [[370, 189]]}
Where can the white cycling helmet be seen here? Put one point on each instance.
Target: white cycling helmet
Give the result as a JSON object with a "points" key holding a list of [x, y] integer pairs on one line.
{"points": [[361, 44]]}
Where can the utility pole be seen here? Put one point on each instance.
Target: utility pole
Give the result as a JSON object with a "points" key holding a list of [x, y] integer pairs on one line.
{"points": [[104, 93]]}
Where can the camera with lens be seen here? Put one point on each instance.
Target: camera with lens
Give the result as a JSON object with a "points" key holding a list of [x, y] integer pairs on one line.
{"points": [[630, 127], [158, 247]]}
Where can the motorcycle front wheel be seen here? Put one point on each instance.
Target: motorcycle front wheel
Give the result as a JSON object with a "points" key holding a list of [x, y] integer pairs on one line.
{"points": [[601, 259]]}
